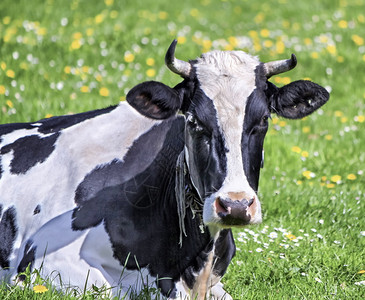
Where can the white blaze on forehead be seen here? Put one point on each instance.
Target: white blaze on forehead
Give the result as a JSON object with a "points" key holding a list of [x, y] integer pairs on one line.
{"points": [[228, 79]]}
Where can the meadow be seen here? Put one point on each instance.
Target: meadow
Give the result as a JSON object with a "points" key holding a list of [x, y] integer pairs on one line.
{"points": [[61, 57]]}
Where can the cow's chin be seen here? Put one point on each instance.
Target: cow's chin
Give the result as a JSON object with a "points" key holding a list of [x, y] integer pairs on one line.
{"points": [[218, 217]]}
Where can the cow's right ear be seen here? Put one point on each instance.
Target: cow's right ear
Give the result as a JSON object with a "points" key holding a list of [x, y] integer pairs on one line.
{"points": [[154, 100]]}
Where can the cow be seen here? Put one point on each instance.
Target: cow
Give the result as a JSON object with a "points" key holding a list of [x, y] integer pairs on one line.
{"points": [[146, 192]]}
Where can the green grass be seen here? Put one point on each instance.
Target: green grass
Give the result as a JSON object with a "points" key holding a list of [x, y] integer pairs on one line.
{"points": [[59, 57]]}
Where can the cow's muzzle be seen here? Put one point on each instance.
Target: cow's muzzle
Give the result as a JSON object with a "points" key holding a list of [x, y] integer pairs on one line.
{"points": [[236, 209]]}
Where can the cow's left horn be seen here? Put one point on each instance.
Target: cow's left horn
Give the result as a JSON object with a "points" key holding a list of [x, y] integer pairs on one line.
{"points": [[177, 66], [280, 66]]}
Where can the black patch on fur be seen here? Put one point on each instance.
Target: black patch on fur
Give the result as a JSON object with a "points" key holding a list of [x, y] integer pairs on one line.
{"points": [[59, 123], [1, 166], [255, 127], [37, 209], [298, 99], [28, 258], [54, 124], [135, 200], [225, 250], [28, 151], [8, 233], [154, 100], [205, 140]]}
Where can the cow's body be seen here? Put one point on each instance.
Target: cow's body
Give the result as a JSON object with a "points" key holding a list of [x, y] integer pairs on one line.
{"points": [[135, 194]]}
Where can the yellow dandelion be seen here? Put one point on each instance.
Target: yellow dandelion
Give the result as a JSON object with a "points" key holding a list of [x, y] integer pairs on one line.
{"points": [[47, 116], [358, 40], [207, 45], [305, 154], [76, 44], [265, 33], [259, 18], [113, 14], [181, 40], [331, 49], [104, 92], [10, 73], [361, 272], [39, 289], [299, 182], [67, 69], [314, 55], [336, 178], [324, 178], [3, 65], [2, 90], [308, 41], [109, 2], [77, 35], [275, 120], [342, 24], [296, 149], [268, 44], [344, 119], [282, 123], [9, 103], [338, 113], [361, 18], [351, 176], [163, 15], [330, 185], [6, 20], [84, 89], [360, 119], [99, 18], [286, 80], [290, 236], [253, 34], [306, 129], [328, 137], [150, 62], [340, 59], [41, 31], [129, 57], [194, 12], [89, 31], [280, 47], [233, 41], [151, 72], [308, 174], [85, 69]]}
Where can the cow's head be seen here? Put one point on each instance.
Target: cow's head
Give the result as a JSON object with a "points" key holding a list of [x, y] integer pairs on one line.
{"points": [[227, 101]]}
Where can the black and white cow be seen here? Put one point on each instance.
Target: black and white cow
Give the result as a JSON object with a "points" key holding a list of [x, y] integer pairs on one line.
{"points": [[145, 192]]}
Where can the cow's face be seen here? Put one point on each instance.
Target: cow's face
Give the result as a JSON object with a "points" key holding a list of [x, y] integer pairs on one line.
{"points": [[227, 102]]}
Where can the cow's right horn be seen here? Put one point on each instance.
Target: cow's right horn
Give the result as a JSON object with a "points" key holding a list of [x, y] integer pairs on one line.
{"points": [[280, 66], [177, 66]]}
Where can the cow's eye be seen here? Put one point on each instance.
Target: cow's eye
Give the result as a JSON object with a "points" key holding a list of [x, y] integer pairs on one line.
{"points": [[264, 120]]}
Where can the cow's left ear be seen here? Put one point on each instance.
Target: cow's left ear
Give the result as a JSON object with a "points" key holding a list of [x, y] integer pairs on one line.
{"points": [[297, 99], [154, 100]]}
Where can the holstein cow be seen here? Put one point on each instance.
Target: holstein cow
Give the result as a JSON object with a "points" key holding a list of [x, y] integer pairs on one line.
{"points": [[146, 192]]}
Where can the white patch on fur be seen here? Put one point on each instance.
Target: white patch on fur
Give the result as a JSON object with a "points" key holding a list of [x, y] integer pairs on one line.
{"points": [[228, 79], [52, 183]]}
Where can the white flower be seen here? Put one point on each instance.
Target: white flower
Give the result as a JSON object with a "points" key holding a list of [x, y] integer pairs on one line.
{"points": [[360, 282], [259, 250], [317, 279], [362, 233]]}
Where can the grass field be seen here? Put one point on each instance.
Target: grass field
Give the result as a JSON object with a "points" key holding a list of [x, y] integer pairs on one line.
{"points": [[59, 57]]}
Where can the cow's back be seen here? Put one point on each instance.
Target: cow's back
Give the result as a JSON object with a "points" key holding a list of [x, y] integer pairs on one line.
{"points": [[41, 165]]}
